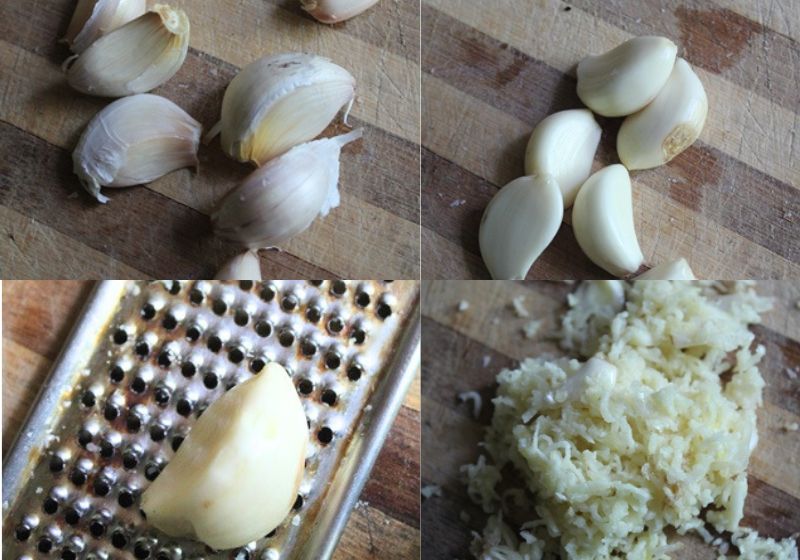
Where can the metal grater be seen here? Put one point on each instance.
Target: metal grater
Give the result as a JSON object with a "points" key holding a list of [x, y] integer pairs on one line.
{"points": [[144, 361]]}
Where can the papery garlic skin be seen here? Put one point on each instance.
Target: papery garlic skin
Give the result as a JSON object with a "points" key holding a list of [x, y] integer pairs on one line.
{"points": [[282, 198], [518, 224], [135, 140], [94, 18], [246, 266], [602, 219], [279, 102], [626, 78], [334, 11], [668, 125], [136, 58], [563, 145], [671, 270], [235, 477]]}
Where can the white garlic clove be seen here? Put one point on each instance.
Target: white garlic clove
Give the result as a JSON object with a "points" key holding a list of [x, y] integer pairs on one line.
{"points": [[602, 219], [334, 11], [563, 145], [626, 78], [94, 18], [282, 198], [672, 270], [235, 477], [279, 102], [246, 266], [135, 58], [518, 224], [135, 140], [668, 125]]}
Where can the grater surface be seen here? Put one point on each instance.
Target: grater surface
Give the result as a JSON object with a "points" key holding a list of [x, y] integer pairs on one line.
{"points": [[147, 358]]}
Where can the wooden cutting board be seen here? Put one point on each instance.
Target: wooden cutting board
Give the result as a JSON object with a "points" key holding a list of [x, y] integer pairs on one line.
{"points": [[456, 345], [37, 317], [492, 70], [50, 228]]}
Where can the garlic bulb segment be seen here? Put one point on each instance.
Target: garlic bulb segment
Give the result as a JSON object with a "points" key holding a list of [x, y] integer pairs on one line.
{"points": [[95, 18], [334, 11], [602, 219], [135, 140], [626, 78], [235, 477], [563, 145], [139, 56], [518, 224], [279, 102], [246, 266], [282, 198], [668, 125], [671, 270]]}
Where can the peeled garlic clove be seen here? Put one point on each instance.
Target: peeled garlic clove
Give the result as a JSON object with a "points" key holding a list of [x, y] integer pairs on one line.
{"points": [[669, 125], [626, 78], [139, 56], [602, 219], [235, 477], [279, 102], [518, 224], [563, 145], [95, 18], [282, 198], [334, 11], [135, 140], [246, 266], [671, 270]]}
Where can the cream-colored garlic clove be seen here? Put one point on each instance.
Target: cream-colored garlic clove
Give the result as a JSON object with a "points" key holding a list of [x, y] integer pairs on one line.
{"points": [[282, 198], [334, 11], [279, 102], [94, 18], [135, 140], [235, 477], [602, 219], [246, 266], [563, 145], [668, 125], [518, 224], [135, 58], [672, 270], [626, 78]]}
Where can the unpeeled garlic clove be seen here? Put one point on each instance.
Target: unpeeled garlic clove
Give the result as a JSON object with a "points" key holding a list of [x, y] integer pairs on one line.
{"points": [[135, 58], [246, 266], [334, 11], [671, 270], [563, 145], [135, 140], [235, 477], [626, 78], [602, 219], [518, 224], [282, 198], [278, 102], [95, 18], [668, 125]]}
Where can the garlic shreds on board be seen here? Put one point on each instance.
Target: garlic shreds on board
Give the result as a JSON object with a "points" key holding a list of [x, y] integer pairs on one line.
{"points": [[334, 11], [278, 102], [135, 58], [135, 140], [246, 266], [282, 198], [95, 18]]}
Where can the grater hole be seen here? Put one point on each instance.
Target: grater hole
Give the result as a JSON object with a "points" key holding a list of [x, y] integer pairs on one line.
{"points": [[118, 539], [286, 338], [162, 395], [169, 322], [116, 374], [130, 459], [329, 397], [56, 464], [315, 282], [267, 293], [23, 532], [125, 498], [133, 423], [78, 477], [188, 369], [210, 380], [325, 435], [176, 442], [111, 412], [184, 407], [157, 432], [219, 307], [106, 449], [141, 551], [313, 314], [148, 311], [333, 360], [214, 344], [101, 488], [308, 347], [338, 288], [236, 355], [97, 528], [175, 288], [142, 349], [289, 302], [193, 333], [272, 533], [305, 386], [362, 299], [384, 310], [246, 285], [335, 325], [263, 329], [359, 335], [196, 296], [241, 317], [88, 399], [45, 545], [84, 438], [257, 365], [164, 359], [139, 385], [68, 554], [120, 336], [50, 506], [151, 471], [354, 372], [72, 516], [242, 554], [298, 503]]}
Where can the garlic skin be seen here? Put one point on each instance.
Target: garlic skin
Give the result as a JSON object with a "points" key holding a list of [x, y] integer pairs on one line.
{"points": [[282, 198], [246, 266], [563, 145], [94, 18], [334, 11], [626, 78], [235, 477], [136, 58], [135, 140], [668, 125], [278, 102], [518, 224], [602, 219], [671, 270]]}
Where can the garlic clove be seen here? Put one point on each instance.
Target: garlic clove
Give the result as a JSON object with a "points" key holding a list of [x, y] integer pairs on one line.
{"points": [[280, 101], [94, 18], [282, 198], [602, 219], [246, 266], [668, 125], [235, 477], [518, 224], [672, 270], [135, 140], [139, 56], [563, 145], [334, 11], [626, 78]]}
